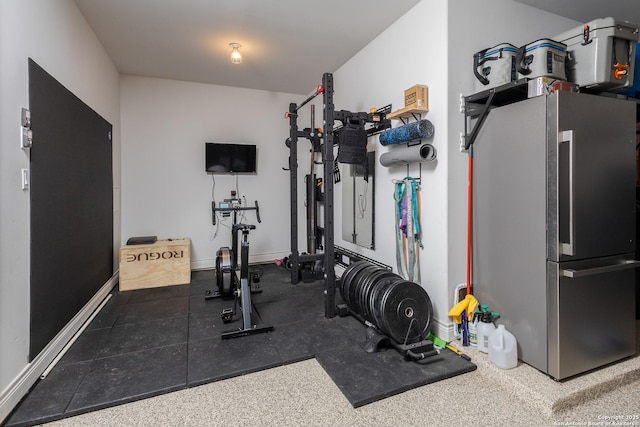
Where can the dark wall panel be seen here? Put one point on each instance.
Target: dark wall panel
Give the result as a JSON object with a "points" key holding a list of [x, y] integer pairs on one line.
{"points": [[71, 206]]}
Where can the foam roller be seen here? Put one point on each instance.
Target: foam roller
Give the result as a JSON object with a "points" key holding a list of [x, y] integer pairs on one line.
{"points": [[406, 133], [405, 155]]}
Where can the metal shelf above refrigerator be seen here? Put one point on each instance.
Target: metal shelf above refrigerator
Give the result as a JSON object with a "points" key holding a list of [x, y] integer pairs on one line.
{"points": [[478, 105]]}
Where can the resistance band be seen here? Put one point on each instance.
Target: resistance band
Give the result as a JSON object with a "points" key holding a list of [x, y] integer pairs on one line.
{"points": [[408, 240]]}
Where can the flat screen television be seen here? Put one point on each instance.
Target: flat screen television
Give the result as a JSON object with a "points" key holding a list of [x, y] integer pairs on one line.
{"points": [[230, 158]]}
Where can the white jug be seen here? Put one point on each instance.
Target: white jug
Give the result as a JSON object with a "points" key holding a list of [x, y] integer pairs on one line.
{"points": [[503, 351]]}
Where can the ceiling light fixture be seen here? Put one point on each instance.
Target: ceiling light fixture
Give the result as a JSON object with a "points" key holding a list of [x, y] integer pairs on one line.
{"points": [[236, 58]]}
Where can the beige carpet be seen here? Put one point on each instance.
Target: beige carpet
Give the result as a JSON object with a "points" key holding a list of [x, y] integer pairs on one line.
{"points": [[550, 396]]}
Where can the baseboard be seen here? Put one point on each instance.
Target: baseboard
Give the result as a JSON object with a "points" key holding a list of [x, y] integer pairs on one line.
{"points": [[442, 330], [267, 258], [210, 263], [21, 385], [203, 264]]}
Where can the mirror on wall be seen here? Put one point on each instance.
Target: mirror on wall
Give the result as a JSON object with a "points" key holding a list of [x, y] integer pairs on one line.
{"points": [[358, 189]]}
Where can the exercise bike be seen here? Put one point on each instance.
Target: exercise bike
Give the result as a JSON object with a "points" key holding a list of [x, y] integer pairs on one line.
{"points": [[233, 281]]}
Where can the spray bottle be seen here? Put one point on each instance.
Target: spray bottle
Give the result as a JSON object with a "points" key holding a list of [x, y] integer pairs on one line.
{"points": [[485, 327]]}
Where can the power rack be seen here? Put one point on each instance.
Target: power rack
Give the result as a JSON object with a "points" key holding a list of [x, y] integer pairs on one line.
{"points": [[356, 121]]}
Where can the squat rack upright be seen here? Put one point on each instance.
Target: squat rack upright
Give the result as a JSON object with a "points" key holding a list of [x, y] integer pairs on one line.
{"points": [[328, 256], [329, 115]]}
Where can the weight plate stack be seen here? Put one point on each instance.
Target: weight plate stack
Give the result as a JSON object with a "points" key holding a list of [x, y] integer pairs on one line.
{"points": [[406, 312], [399, 308], [377, 298], [377, 280], [360, 280], [347, 290]]}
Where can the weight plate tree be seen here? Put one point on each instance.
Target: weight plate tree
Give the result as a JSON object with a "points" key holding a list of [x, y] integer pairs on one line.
{"points": [[399, 308]]}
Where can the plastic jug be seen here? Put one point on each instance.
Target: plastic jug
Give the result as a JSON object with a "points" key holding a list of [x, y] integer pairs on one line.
{"points": [[503, 351]]}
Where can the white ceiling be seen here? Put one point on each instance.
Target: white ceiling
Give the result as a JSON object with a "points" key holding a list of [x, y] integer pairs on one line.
{"points": [[286, 44]]}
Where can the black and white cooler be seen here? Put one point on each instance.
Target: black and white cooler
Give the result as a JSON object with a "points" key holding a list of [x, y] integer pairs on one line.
{"points": [[495, 66], [542, 58]]}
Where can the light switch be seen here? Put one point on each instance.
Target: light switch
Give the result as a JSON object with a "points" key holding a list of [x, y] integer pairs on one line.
{"points": [[26, 118], [25, 179], [26, 137], [25, 129]]}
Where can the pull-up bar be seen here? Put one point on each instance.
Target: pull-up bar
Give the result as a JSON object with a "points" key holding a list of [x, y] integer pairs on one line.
{"points": [[319, 90]]}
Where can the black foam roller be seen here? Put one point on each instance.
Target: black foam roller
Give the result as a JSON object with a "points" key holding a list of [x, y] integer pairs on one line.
{"points": [[413, 131]]}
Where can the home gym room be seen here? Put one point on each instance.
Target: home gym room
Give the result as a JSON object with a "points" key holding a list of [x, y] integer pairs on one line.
{"points": [[147, 91]]}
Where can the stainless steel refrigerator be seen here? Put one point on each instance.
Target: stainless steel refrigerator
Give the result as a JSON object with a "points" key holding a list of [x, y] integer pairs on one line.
{"points": [[554, 228]]}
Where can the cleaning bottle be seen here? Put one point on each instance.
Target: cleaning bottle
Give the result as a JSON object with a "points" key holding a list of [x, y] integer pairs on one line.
{"points": [[473, 329], [503, 351], [465, 329], [485, 328]]}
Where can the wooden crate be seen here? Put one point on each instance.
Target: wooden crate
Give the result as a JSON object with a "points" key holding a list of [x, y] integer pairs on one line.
{"points": [[163, 263]]}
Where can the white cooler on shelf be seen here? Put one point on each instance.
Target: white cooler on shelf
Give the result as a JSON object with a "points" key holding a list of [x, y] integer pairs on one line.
{"points": [[601, 54]]}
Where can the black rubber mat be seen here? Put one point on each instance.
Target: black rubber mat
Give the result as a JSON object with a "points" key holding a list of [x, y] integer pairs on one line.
{"points": [[153, 341], [367, 377]]}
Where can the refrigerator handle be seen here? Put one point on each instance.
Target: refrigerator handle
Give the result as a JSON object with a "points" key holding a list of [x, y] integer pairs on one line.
{"points": [[568, 248], [625, 264]]}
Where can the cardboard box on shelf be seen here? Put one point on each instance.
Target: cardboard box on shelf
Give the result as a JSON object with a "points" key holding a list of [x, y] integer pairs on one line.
{"points": [[417, 96]]}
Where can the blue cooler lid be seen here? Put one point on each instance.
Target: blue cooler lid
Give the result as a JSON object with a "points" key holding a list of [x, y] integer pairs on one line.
{"points": [[503, 47]]}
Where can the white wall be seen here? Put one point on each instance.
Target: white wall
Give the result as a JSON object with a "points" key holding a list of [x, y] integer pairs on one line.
{"points": [[166, 192], [412, 51], [433, 44], [56, 36]]}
